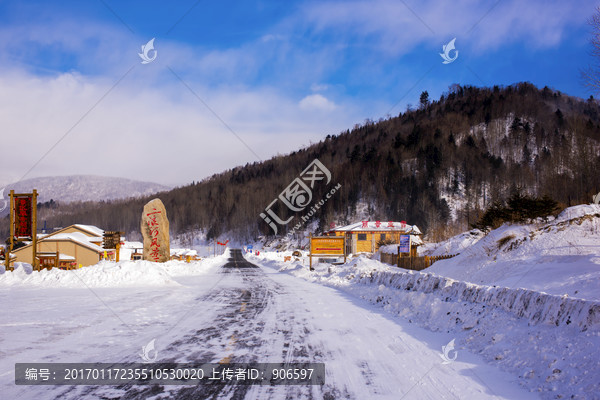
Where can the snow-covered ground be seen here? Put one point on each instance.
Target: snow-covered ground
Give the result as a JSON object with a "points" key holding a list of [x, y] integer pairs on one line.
{"points": [[454, 245], [560, 257], [203, 312], [102, 313]]}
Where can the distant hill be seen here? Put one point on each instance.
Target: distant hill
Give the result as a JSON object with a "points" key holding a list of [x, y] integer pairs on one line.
{"points": [[68, 189], [438, 167]]}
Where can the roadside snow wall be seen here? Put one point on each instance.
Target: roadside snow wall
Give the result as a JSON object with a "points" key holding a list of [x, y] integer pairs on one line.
{"points": [[535, 307]]}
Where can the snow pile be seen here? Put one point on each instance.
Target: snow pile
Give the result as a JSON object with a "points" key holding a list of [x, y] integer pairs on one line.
{"points": [[202, 267], [270, 255], [561, 257], [340, 275], [534, 307], [103, 274], [454, 245], [110, 274], [550, 342]]}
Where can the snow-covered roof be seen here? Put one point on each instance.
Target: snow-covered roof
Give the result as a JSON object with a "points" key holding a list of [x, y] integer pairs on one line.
{"points": [[183, 252], [94, 230], [416, 240], [383, 226], [77, 237]]}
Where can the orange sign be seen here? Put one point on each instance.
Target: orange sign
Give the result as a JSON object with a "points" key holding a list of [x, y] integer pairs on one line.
{"points": [[327, 245]]}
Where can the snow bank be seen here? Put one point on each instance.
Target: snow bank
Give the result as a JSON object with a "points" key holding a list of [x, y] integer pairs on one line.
{"points": [[110, 274], [103, 274], [550, 342], [454, 245], [561, 257], [204, 266], [535, 307]]}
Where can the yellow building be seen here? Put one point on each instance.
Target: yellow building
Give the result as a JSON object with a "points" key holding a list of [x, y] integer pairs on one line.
{"points": [[366, 236], [67, 247]]}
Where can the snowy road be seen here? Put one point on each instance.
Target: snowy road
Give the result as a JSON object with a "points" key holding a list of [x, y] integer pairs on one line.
{"points": [[246, 313]]}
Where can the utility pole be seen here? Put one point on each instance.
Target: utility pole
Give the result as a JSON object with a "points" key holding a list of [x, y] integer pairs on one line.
{"points": [[310, 252]]}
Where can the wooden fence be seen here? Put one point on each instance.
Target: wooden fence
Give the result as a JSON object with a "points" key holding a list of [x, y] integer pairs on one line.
{"points": [[389, 258], [414, 263]]}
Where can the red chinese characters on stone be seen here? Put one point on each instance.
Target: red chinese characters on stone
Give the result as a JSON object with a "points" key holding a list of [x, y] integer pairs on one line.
{"points": [[377, 224], [390, 224], [154, 245], [155, 231], [365, 224]]}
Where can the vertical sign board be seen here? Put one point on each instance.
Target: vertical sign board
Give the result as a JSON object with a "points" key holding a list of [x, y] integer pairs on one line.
{"points": [[404, 244], [23, 216], [332, 246], [23, 223], [112, 240]]}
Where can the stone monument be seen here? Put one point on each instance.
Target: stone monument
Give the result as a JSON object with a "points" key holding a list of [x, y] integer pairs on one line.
{"points": [[155, 230]]}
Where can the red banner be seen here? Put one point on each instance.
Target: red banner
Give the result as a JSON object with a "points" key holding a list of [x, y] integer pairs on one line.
{"points": [[23, 211]]}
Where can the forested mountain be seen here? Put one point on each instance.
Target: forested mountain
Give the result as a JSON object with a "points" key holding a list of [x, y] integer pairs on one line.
{"points": [[437, 166]]}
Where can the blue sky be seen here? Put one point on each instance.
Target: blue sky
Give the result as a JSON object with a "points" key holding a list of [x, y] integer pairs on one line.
{"points": [[242, 81]]}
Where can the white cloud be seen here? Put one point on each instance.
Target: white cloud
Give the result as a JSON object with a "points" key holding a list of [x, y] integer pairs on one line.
{"points": [[397, 27], [316, 102], [150, 126], [160, 134], [272, 37], [316, 87]]}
